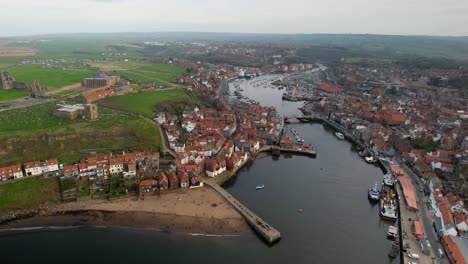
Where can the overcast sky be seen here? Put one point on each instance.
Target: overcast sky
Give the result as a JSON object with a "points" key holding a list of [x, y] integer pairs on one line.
{"points": [[408, 17]]}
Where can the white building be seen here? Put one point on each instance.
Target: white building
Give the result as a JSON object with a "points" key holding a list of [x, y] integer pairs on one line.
{"points": [[33, 168]]}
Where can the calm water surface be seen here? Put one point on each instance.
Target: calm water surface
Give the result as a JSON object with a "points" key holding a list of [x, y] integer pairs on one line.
{"points": [[337, 223]]}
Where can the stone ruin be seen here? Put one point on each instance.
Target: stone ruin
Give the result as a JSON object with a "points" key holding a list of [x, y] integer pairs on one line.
{"points": [[8, 82]]}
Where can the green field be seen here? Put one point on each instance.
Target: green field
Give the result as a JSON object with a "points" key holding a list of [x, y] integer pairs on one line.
{"points": [[12, 94], [51, 78], [29, 192], [144, 72], [78, 47], [144, 103], [6, 62], [113, 131]]}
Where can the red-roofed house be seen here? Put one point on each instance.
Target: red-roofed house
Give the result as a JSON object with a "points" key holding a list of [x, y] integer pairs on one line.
{"points": [[148, 186], [163, 181], [195, 180], [184, 179], [173, 180], [91, 97], [33, 168], [71, 171]]}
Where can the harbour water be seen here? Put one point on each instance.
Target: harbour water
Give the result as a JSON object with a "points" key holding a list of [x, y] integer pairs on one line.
{"points": [[336, 224]]}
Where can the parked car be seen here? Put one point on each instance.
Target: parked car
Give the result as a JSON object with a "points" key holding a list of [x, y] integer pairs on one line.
{"points": [[413, 255]]}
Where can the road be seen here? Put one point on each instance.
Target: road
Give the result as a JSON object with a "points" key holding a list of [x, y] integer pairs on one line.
{"points": [[423, 214]]}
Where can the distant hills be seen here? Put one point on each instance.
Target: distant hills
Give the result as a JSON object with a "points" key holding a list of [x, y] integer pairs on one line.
{"points": [[382, 45]]}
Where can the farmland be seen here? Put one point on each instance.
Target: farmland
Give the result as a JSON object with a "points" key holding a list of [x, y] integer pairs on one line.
{"points": [[12, 94], [70, 140], [29, 192], [52, 78], [144, 72]]}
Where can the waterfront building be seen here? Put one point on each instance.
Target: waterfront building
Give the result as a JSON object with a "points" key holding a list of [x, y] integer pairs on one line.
{"points": [[148, 186], [163, 181], [455, 249]]}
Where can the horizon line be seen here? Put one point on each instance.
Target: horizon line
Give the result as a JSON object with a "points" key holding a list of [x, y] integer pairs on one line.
{"points": [[220, 32]]}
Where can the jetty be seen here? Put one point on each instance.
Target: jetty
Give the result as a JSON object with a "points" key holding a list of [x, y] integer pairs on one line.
{"points": [[267, 232]]}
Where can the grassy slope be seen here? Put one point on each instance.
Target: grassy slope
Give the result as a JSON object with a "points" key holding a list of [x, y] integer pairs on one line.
{"points": [[144, 103], [48, 77], [162, 74], [12, 94], [37, 121], [29, 192]]}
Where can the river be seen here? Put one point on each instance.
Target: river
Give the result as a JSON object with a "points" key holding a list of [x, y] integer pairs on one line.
{"points": [[337, 223]]}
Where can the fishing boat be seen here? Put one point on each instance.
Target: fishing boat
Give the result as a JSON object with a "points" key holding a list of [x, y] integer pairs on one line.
{"points": [[388, 204], [370, 159], [373, 194], [339, 135], [392, 232], [259, 187]]}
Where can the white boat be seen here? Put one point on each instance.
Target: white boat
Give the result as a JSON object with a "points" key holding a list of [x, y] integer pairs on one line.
{"points": [[388, 181], [259, 187], [339, 135], [370, 159], [392, 232]]}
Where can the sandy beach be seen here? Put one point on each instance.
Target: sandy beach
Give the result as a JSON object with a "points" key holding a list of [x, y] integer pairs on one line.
{"points": [[199, 211]]}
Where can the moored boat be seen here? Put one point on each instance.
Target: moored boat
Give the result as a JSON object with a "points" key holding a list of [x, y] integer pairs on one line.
{"points": [[373, 194], [392, 232], [388, 181], [370, 159], [388, 210], [393, 252], [339, 135]]}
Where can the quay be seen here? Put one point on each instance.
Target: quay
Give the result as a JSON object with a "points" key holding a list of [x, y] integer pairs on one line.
{"points": [[267, 232]]}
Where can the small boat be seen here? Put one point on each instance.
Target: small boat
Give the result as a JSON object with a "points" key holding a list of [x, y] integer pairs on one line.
{"points": [[339, 135], [392, 232], [259, 187], [370, 159], [300, 210], [373, 194], [393, 252], [388, 181]]}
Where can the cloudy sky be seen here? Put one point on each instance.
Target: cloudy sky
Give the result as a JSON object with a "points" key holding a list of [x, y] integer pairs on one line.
{"points": [[409, 17]]}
